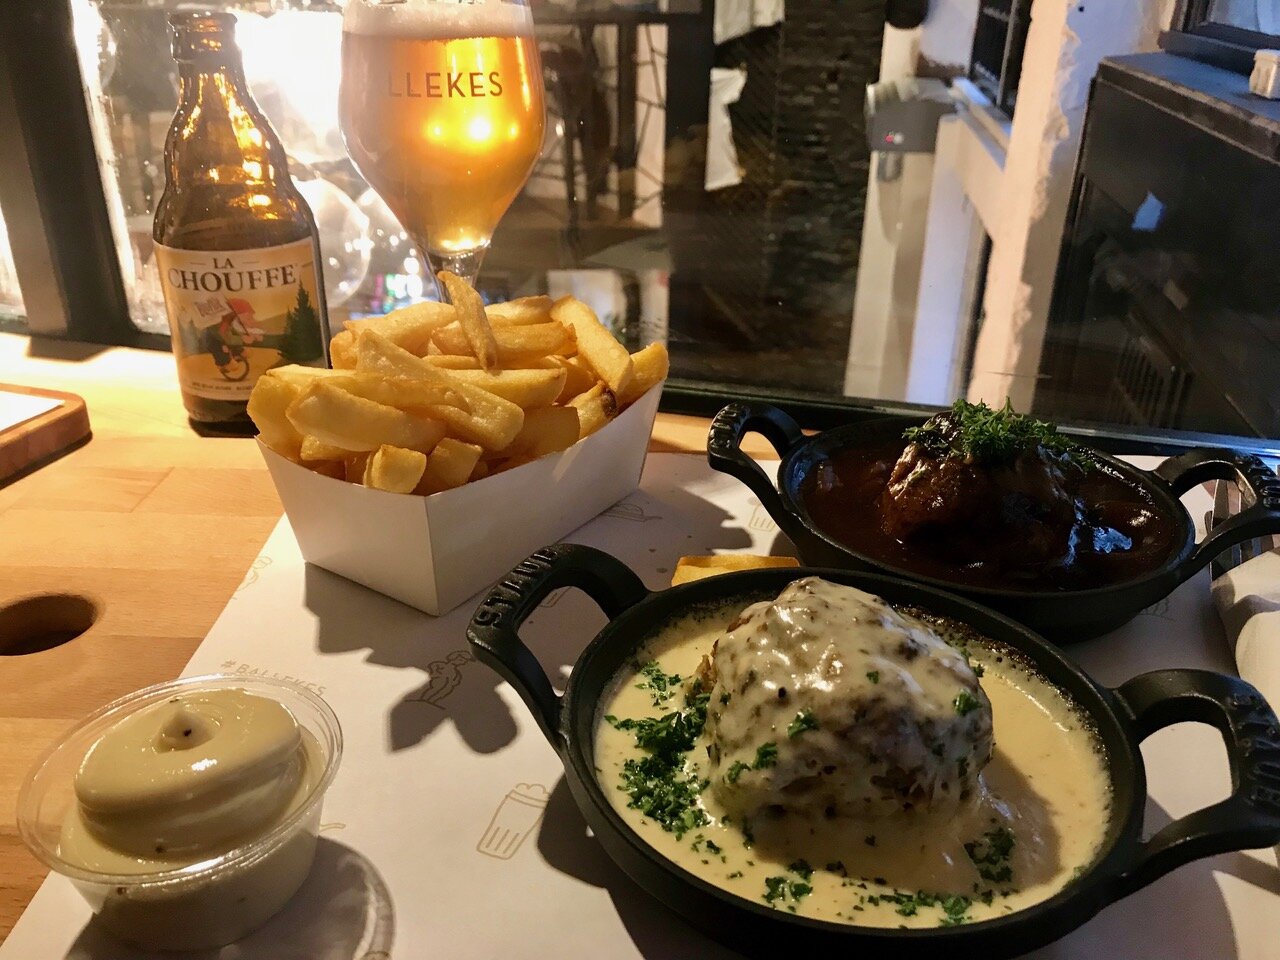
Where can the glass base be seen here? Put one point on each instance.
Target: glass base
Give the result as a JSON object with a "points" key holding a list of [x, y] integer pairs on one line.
{"points": [[463, 263]]}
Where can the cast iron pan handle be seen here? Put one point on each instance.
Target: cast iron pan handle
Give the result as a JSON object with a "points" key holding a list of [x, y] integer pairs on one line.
{"points": [[724, 452], [1259, 493], [1246, 820], [494, 629]]}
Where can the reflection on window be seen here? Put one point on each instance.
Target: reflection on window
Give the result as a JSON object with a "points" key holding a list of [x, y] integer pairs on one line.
{"points": [[1260, 16], [11, 306]]}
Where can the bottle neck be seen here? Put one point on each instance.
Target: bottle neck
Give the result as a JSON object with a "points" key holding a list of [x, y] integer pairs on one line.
{"points": [[230, 67], [219, 126]]}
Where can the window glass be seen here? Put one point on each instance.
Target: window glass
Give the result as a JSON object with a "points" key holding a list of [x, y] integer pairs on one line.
{"points": [[1260, 16], [711, 177]]}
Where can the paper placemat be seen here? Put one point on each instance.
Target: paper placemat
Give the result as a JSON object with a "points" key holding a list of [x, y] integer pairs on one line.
{"points": [[449, 832]]}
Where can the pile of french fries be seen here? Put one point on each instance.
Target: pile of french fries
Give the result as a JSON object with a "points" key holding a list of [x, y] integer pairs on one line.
{"points": [[431, 396]]}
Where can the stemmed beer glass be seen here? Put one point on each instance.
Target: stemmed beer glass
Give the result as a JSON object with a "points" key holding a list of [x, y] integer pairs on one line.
{"points": [[442, 111]]}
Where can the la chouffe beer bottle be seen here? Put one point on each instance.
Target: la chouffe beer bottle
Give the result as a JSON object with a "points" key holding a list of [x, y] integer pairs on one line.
{"points": [[236, 244]]}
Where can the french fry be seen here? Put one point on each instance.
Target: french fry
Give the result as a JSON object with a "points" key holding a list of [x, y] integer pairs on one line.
{"points": [[525, 388], [450, 465], [353, 423], [519, 312], [300, 375], [394, 469], [268, 406], [411, 396], [546, 430], [606, 356], [342, 350], [699, 568], [512, 344], [471, 318], [595, 408], [409, 327], [492, 422], [432, 396], [449, 361], [649, 368], [579, 378], [314, 450]]}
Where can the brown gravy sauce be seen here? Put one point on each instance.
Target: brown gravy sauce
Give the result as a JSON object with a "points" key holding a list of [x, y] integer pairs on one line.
{"points": [[842, 497]]}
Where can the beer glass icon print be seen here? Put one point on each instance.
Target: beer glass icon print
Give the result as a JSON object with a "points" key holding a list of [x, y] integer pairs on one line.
{"points": [[517, 816]]}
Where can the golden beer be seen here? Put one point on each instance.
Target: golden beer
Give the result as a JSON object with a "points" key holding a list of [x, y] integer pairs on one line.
{"points": [[443, 115]]}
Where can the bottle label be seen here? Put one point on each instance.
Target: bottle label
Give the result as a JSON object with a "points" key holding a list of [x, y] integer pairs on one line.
{"points": [[235, 314]]}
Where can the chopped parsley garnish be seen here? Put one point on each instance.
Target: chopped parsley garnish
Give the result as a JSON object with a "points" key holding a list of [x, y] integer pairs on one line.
{"points": [[991, 854], [670, 733], [766, 756], [873, 676], [965, 702], [706, 843], [977, 432], [775, 888], [661, 686], [954, 906], [801, 869], [805, 720], [782, 889], [664, 793], [658, 784]]}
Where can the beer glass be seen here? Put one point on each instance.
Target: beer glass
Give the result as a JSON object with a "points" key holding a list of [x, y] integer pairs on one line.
{"points": [[442, 112]]}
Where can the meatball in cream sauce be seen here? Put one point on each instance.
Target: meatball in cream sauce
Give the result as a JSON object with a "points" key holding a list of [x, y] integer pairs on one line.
{"points": [[829, 755]]}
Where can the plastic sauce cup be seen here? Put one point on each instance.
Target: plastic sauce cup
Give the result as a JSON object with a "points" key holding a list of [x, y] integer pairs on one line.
{"points": [[199, 905]]}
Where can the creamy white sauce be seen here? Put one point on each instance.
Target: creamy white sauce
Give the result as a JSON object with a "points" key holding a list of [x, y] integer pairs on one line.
{"points": [[1046, 784], [184, 780]]}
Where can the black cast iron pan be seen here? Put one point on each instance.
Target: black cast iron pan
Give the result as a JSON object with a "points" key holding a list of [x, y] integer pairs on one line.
{"points": [[1123, 717], [1065, 616]]}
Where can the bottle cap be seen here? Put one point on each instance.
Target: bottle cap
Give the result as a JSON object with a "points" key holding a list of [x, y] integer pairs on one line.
{"points": [[203, 34]]}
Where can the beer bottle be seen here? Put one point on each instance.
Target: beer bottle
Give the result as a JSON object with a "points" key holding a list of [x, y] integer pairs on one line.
{"points": [[236, 244]]}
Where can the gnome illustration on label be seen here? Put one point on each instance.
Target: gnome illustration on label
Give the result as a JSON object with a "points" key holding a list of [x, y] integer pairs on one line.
{"points": [[225, 339]]}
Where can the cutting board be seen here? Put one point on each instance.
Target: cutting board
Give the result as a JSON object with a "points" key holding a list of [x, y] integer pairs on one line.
{"points": [[47, 435]]}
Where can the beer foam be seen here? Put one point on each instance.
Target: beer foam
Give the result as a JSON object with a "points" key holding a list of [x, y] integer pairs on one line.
{"points": [[437, 20]]}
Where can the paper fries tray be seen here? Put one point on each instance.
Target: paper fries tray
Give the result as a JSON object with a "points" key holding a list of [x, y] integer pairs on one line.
{"points": [[434, 552]]}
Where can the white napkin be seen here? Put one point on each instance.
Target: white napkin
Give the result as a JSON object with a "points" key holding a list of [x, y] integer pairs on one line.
{"points": [[1248, 601], [16, 408]]}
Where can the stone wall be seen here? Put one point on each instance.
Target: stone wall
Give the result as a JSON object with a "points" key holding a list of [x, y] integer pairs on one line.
{"points": [[780, 250]]}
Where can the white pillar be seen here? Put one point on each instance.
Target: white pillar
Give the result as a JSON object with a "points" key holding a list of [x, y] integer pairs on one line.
{"points": [[1067, 38]]}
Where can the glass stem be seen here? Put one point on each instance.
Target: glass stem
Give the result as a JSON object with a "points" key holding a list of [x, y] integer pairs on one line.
{"points": [[463, 263]]}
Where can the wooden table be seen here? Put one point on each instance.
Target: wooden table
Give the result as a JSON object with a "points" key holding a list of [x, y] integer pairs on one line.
{"points": [[155, 524]]}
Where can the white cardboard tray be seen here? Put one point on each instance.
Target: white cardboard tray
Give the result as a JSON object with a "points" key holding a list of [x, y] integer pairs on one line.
{"points": [[434, 552]]}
